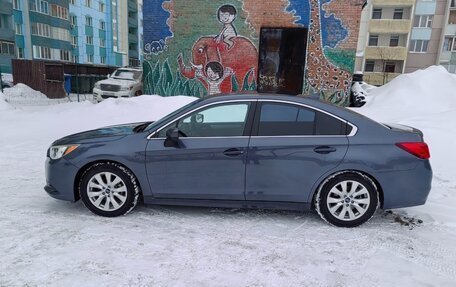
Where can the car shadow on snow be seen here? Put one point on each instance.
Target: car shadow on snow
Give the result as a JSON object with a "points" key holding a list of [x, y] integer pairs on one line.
{"points": [[307, 218]]}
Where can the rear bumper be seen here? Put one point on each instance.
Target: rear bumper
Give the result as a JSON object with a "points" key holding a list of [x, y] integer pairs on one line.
{"points": [[60, 176], [406, 188]]}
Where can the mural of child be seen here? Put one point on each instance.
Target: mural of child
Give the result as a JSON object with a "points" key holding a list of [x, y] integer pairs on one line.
{"points": [[215, 75], [226, 15]]}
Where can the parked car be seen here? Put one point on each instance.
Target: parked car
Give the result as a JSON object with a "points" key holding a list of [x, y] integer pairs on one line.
{"points": [[123, 83], [249, 151]]}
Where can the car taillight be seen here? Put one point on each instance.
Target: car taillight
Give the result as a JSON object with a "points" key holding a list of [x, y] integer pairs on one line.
{"points": [[418, 149]]}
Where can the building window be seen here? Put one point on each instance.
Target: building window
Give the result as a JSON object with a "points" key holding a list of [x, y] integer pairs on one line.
{"points": [[398, 13], [40, 29], [73, 2], [75, 59], [20, 53], [7, 48], [102, 43], [394, 41], [373, 40], [447, 44], [103, 59], [74, 40], [89, 40], [73, 20], [59, 12], [60, 34], [419, 46], [377, 13], [39, 6], [423, 21], [16, 4], [88, 21], [102, 7], [369, 66], [390, 67], [102, 25], [88, 3], [18, 28], [90, 58], [40, 52], [64, 55]]}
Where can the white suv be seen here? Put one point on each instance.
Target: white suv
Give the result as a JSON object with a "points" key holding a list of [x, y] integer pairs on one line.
{"points": [[123, 83]]}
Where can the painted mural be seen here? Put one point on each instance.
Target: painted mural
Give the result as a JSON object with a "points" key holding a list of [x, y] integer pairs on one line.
{"points": [[205, 47]]}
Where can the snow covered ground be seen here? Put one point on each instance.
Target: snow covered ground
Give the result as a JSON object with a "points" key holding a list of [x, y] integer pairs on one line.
{"points": [[46, 242]]}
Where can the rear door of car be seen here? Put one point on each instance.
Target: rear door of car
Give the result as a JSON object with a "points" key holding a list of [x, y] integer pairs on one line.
{"points": [[209, 161], [291, 146]]}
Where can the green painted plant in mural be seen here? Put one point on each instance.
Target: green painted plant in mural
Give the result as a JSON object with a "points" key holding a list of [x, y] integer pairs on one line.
{"points": [[159, 79]]}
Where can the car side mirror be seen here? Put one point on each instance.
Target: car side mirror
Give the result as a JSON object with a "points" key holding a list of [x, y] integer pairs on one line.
{"points": [[172, 137]]}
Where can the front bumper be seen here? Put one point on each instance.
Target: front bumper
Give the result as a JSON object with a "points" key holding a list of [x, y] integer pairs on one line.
{"points": [[60, 179], [100, 95]]}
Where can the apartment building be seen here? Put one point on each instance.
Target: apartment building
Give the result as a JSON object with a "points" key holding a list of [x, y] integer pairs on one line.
{"points": [[7, 38], [42, 29], [384, 39], [426, 34], [405, 35], [103, 32], [448, 51]]}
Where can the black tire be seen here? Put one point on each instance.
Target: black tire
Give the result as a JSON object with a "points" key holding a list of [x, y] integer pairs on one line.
{"points": [[126, 199], [138, 93], [337, 189]]}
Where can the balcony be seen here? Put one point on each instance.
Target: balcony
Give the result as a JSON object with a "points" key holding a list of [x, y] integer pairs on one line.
{"points": [[133, 54], [392, 3], [379, 78], [6, 7], [7, 34], [132, 22], [132, 38], [389, 26], [386, 53], [132, 5]]}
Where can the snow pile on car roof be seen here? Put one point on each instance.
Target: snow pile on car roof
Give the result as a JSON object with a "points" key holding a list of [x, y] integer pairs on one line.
{"points": [[423, 92]]}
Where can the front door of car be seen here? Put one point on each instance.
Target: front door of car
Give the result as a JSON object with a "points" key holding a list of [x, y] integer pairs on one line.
{"points": [[290, 148], [207, 161]]}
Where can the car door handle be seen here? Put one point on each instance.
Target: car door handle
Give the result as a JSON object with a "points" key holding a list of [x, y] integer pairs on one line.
{"points": [[233, 152], [324, 149]]}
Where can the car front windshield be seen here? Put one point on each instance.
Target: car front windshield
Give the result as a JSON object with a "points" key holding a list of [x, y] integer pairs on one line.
{"points": [[126, 74], [168, 117]]}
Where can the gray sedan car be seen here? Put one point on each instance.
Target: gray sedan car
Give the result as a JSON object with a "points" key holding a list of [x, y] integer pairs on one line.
{"points": [[248, 151]]}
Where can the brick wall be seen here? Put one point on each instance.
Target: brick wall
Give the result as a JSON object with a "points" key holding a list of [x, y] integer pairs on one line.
{"points": [[190, 50]]}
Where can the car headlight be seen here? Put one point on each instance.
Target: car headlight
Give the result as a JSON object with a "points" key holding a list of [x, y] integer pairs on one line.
{"points": [[58, 151], [97, 85], [126, 88]]}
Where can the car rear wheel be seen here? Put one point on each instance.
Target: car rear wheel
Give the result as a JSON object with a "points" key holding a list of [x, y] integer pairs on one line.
{"points": [[109, 189], [347, 199]]}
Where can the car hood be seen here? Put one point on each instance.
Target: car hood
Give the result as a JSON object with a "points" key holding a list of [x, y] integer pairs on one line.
{"points": [[110, 133], [118, 82]]}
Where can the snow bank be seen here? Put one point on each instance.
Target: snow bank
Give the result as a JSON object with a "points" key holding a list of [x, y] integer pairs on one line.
{"points": [[71, 117], [424, 92], [24, 91], [4, 106]]}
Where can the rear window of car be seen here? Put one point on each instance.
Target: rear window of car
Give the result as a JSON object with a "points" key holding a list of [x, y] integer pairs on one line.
{"points": [[280, 119]]}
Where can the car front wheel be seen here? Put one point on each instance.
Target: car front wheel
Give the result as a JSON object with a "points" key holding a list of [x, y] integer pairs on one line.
{"points": [[348, 199], [109, 189]]}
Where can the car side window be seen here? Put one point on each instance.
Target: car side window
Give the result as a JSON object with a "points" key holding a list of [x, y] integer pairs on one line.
{"points": [[280, 119], [222, 120]]}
